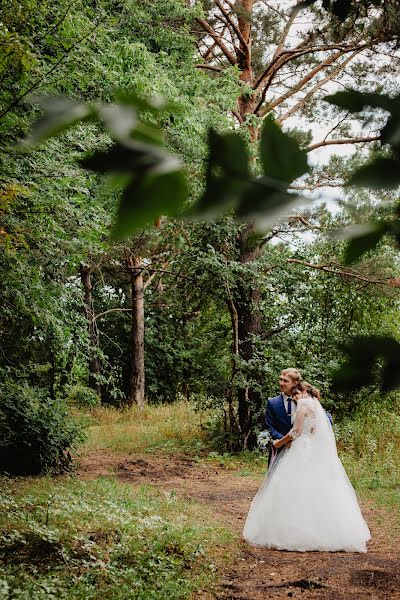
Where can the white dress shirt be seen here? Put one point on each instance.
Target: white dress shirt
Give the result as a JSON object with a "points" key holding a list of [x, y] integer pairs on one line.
{"points": [[294, 405]]}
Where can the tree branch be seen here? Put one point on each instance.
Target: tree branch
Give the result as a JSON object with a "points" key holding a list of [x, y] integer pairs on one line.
{"points": [[340, 271], [232, 24], [210, 68], [288, 55], [284, 35], [110, 310], [296, 88], [359, 140], [149, 279], [316, 87], [269, 334], [207, 27]]}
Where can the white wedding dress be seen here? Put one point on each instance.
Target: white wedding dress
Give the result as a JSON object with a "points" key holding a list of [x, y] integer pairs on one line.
{"points": [[306, 501]]}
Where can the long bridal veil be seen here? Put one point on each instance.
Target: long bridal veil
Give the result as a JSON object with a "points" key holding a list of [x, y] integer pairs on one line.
{"points": [[307, 502]]}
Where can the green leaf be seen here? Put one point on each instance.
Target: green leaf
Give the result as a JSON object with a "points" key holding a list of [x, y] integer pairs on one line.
{"points": [[355, 101], [390, 134], [120, 119], [147, 197], [381, 173], [227, 174], [265, 201], [360, 244], [281, 156], [156, 104], [341, 8], [364, 354], [60, 114], [137, 157]]}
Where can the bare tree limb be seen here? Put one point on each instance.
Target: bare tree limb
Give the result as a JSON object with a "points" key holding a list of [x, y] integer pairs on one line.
{"points": [[210, 68], [110, 310], [313, 186], [149, 280], [359, 140], [284, 35], [207, 27], [329, 268], [297, 87], [288, 55], [269, 334], [317, 86], [232, 23]]}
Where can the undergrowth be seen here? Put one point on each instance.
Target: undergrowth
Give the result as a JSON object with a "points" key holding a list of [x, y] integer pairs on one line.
{"points": [[369, 446], [101, 539]]}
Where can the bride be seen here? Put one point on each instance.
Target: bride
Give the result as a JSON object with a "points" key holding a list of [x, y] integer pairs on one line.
{"points": [[306, 501]]}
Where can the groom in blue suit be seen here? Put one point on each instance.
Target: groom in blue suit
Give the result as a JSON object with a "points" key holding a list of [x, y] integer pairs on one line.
{"points": [[281, 409]]}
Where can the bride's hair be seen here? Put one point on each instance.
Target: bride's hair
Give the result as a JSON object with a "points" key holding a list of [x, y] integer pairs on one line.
{"points": [[304, 386]]}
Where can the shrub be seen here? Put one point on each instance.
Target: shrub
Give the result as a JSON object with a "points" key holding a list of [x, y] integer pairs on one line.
{"points": [[82, 396], [36, 432]]}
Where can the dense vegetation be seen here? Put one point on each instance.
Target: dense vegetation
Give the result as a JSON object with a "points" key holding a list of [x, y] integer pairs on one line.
{"points": [[225, 305]]}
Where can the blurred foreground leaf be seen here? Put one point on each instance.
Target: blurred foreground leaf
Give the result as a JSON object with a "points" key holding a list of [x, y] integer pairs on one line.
{"points": [[364, 355], [59, 115], [281, 156], [230, 184], [381, 173], [153, 181]]}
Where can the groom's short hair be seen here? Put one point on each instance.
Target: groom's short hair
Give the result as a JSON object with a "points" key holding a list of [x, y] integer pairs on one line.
{"points": [[294, 374]]}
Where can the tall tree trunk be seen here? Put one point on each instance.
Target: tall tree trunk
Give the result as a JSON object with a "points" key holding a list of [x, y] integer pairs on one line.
{"points": [[94, 362], [136, 378], [249, 325], [231, 391]]}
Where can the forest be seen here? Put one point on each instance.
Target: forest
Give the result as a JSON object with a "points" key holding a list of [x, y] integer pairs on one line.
{"points": [[194, 195]]}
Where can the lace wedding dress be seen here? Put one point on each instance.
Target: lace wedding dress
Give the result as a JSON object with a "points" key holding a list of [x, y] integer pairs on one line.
{"points": [[306, 501]]}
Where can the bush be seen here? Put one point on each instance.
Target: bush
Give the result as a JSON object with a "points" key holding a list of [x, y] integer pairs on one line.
{"points": [[82, 396], [36, 432]]}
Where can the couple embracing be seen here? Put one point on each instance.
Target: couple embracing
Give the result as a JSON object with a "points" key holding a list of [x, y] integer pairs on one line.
{"points": [[306, 502]]}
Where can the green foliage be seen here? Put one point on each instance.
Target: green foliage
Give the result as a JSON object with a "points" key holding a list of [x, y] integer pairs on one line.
{"points": [[82, 396], [363, 353], [82, 540], [152, 182], [369, 445], [36, 432]]}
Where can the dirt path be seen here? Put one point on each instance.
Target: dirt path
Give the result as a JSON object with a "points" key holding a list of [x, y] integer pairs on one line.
{"points": [[261, 573]]}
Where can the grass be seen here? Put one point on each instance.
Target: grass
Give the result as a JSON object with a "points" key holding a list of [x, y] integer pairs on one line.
{"points": [[369, 446], [68, 539], [369, 443], [169, 428]]}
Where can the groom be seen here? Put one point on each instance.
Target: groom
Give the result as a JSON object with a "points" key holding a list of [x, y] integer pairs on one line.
{"points": [[280, 412], [281, 409]]}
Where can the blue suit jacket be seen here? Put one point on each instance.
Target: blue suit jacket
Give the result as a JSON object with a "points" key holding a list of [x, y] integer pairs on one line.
{"points": [[276, 419]]}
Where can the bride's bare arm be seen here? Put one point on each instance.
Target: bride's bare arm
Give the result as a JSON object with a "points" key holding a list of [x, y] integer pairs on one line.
{"points": [[286, 439]]}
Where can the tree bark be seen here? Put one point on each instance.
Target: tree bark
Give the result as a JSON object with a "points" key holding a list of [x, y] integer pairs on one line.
{"points": [[249, 325], [94, 362], [136, 378]]}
